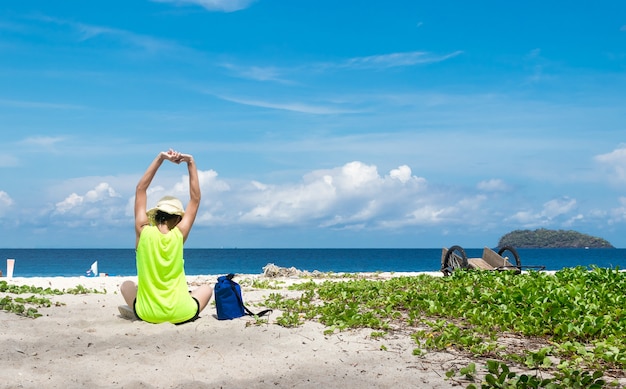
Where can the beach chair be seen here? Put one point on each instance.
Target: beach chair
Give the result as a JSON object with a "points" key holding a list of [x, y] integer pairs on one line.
{"points": [[455, 258]]}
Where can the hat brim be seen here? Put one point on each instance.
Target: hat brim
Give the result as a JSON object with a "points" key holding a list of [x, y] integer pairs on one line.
{"points": [[165, 208]]}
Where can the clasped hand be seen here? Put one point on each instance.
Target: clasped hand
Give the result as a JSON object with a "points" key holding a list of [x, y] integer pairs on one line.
{"points": [[175, 156]]}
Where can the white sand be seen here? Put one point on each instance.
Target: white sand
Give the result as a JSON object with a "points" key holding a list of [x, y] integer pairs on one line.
{"points": [[85, 343]]}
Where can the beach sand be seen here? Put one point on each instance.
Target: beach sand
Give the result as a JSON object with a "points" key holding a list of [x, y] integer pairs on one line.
{"points": [[85, 343]]}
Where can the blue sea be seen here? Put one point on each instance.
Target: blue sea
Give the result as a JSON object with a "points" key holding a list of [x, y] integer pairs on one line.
{"points": [[121, 262]]}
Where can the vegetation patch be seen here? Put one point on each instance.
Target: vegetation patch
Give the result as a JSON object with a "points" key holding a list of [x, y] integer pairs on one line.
{"points": [[13, 301], [567, 326]]}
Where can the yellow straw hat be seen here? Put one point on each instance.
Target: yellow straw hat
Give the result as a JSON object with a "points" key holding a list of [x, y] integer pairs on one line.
{"points": [[167, 204]]}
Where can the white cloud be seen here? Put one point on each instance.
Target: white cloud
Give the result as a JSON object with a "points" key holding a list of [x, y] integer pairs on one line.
{"points": [[350, 196], [615, 162], [574, 219], [291, 106], [356, 174], [427, 214], [144, 42], [208, 183], [214, 5], [402, 173], [373, 62], [5, 199], [354, 196], [270, 204], [5, 202], [618, 214], [258, 73], [446, 209], [86, 204], [557, 207], [493, 185], [87, 32], [70, 202], [212, 188], [551, 212], [396, 60], [103, 190]]}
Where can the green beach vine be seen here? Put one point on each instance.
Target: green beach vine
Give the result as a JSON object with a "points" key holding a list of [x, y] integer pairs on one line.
{"points": [[27, 306], [568, 325]]}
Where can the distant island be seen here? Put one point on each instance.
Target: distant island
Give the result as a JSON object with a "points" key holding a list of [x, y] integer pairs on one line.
{"points": [[544, 238]]}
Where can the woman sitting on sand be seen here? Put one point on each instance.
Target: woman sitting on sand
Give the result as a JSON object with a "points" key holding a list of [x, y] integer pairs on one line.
{"points": [[161, 294]]}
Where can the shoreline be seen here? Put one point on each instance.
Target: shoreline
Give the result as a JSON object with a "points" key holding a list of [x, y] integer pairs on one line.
{"points": [[64, 282], [107, 282]]}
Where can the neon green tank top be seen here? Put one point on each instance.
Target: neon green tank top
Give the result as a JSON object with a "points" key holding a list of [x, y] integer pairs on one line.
{"points": [[162, 293]]}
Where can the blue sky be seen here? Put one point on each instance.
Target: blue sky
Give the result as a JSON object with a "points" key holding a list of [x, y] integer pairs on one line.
{"points": [[314, 123]]}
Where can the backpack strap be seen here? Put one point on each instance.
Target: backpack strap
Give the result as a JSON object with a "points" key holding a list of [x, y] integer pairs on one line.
{"points": [[248, 312]]}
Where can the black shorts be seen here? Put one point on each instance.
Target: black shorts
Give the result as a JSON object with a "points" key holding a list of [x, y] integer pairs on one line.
{"points": [[194, 318]]}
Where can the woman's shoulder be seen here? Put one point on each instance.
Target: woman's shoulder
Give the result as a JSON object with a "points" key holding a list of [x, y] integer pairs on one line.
{"points": [[148, 227], [176, 231]]}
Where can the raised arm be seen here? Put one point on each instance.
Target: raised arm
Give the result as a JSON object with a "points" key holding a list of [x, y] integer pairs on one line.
{"points": [[194, 196], [141, 197]]}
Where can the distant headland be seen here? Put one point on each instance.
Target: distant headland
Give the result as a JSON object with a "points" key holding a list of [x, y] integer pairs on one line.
{"points": [[544, 238]]}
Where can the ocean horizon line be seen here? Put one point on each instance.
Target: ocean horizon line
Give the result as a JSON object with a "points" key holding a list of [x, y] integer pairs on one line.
{"points": [[121, 261]]}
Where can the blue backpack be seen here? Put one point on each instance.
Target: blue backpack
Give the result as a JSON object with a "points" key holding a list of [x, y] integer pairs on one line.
{"points": [[228, 300]]}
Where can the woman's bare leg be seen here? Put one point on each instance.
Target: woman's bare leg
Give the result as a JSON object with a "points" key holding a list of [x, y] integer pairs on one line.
{"points": [[129, 292], [203, 295]]}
